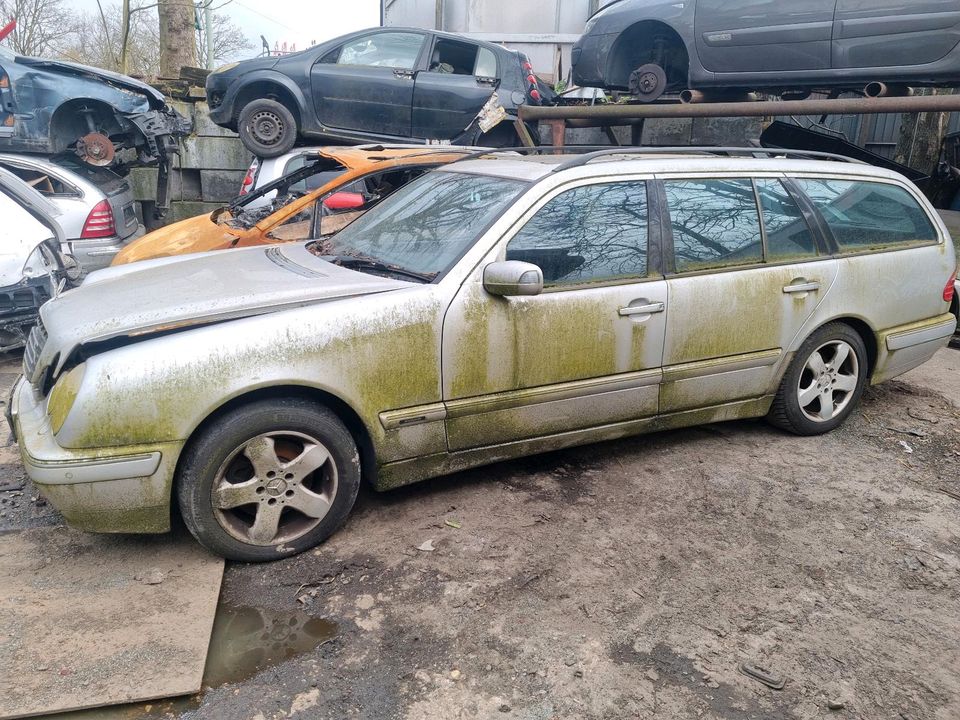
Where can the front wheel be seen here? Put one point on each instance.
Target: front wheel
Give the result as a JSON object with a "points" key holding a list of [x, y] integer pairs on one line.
{"points": [[268, 480], [267, 128], [648, 82], [823, 383]]}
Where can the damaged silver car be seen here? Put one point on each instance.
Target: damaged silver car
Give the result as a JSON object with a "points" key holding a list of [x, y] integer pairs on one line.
{"points": [[496, 307]]}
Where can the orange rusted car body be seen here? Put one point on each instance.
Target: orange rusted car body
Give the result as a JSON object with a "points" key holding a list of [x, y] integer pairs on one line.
{"points": [[215, 231]]}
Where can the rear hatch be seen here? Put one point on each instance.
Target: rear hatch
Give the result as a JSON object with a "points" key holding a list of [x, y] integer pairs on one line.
{"points": [[117, 190]]}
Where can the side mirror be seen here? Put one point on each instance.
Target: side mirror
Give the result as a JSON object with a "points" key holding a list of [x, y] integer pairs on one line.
{"points": [[344, 200], [512, 277]]}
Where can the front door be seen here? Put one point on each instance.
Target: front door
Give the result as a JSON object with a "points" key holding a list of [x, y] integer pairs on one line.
{"points": [[367, 84], [584, 353], [741, 291], [459, 80], [6, 105], [752, 36], [884, 33]]}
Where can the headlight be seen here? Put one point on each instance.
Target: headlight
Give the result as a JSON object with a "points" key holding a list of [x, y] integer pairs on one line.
{"points": [[224, 68], [38, 263], [62, 396]]}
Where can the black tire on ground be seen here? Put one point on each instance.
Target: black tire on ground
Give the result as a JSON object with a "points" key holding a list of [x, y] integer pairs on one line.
{"points": [[258, 456], [267, 128], [817, 396], [648, 82]]}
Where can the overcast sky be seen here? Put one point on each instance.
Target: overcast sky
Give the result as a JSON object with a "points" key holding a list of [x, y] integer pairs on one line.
{"points": [[292, 21]]}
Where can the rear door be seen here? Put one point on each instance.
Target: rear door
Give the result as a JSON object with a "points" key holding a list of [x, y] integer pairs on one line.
{"points": [[459, 79], [366, 85], [884, 33], [742, 286], [762, 36]]}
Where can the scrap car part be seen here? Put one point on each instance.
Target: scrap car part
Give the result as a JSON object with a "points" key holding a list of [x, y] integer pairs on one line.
{"points": [[96, 149]]}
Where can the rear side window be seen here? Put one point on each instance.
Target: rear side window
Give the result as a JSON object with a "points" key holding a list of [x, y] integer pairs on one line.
{"points": [[594, 232], [788, 235], [865, 215], [486, 63], [715, 223]]}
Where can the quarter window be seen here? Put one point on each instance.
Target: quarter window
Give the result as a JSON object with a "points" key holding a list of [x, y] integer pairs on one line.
{"points": [[594, 232], [389, 49], [864, 215], [787, 233], [715, 223], [486, 63]]}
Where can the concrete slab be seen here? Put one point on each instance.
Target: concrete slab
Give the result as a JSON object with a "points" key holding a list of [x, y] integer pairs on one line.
{"points": [[92, 620]]}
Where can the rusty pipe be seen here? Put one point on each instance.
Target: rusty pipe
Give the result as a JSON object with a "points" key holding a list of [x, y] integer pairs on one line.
{"points": [[613, 113], [881, 89], [691, 97]]}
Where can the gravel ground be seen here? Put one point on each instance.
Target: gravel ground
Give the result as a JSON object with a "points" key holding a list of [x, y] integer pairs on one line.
{"points": [[632, 579]]}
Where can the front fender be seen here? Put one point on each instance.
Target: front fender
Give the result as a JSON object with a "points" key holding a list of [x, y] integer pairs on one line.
{"points": [[228, 109]]}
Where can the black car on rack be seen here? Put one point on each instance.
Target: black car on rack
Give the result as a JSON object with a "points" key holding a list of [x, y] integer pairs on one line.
{"points": [[380, 85]]}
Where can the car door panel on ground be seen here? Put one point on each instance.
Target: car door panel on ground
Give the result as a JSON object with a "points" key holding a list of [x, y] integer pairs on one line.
{"points": [[878, 33], [719, 345], [460, 78], [756, 35], [585, 352], [384, 65]]}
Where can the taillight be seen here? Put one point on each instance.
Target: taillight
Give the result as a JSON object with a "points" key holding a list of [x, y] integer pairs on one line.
{"points": [[248, 179], [99, 222], [948, 289], [535, 94]]}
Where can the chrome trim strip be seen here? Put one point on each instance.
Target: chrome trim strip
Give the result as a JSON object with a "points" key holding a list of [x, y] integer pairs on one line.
{"points": [[88, 471], [393, 419], [550, 393], [899, 341], [717, 366]]}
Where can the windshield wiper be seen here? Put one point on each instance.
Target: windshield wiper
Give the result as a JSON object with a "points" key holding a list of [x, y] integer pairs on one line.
{"points": [[360, 262]]}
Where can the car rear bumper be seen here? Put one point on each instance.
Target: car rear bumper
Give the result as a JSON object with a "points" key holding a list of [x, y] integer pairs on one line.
{"points": [[98, 253], [903, 348], [113, 489]]}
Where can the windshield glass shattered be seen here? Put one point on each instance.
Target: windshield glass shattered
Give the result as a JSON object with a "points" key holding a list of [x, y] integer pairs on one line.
{"points": [[420, 230]]}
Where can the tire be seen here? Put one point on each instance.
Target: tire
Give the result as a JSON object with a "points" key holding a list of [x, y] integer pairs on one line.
{"points": [[815, 397], [267, 128], [268, 480]]}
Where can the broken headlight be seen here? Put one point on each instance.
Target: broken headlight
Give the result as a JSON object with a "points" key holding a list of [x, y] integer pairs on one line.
{"points": [[39, 262], [63, 395]]}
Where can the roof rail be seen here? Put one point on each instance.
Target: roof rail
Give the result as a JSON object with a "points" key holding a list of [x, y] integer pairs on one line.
{"points": [[593, 152], [703, 150]]}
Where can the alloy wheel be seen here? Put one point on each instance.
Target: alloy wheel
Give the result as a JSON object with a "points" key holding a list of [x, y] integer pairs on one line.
{"points": [[276, 487], [828, 381]]}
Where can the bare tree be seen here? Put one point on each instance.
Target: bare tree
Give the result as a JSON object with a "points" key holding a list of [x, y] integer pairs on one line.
{"points": [[921, 135], [98, 43], [178, 40], [228, 40], [42, 25]]}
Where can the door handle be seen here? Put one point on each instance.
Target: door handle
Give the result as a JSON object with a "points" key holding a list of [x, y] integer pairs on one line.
{"points": [[657, 307], [407, 74], [802, 287]]}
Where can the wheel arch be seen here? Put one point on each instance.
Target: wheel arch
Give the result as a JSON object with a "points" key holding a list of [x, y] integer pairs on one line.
{"points": [[347, 415], [859, 326], [68, 124], [630, 50], [270, 87]]}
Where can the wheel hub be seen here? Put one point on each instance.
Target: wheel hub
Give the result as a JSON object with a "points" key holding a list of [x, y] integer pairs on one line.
{"points": [[95, 149], [267, 127], [826, 385], [276, 487]]}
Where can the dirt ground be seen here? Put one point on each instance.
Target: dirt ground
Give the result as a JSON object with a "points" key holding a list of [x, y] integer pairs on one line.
{"points": [[631, 579]]}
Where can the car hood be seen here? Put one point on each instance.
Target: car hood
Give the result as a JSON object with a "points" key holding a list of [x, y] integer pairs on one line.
{"points": [[160, 296], [111, 78], [193, 235]]}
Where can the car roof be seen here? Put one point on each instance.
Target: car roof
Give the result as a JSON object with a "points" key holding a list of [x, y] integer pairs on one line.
{"points": [[360, 156], [533, 168]]}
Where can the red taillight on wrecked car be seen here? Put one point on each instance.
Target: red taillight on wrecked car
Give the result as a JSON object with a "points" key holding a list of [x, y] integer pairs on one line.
{"points": [[948, 289], [247, 184], [99, 222]]}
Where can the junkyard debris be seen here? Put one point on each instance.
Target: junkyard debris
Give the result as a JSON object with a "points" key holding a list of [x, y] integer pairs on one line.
{"points": [[453, 523], [906, 446], [768, 678], [426, 546], [836, 704], [153, 576]]}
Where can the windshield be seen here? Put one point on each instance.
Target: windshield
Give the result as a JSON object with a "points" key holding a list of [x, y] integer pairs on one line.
{"points": [[425, 226]]}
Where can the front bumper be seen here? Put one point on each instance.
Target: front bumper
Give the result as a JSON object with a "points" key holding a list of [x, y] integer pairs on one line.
{"points": [[19, 309], [113, 489]]}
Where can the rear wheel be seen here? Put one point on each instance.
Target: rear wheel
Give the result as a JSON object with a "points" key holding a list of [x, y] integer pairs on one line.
{"points": [[267, 128], [823, 383], [269, 480]]}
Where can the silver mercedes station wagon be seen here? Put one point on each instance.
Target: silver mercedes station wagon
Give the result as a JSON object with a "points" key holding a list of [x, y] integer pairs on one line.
{"points": [[497, 307]]}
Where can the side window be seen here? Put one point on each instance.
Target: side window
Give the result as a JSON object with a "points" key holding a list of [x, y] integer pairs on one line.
{"points": [[312, 182], [715, 223], [486, 63], [42, 182], [388, 49], [453, 57], [787, 233], [594, 232], [298, 227], [864, 215]]}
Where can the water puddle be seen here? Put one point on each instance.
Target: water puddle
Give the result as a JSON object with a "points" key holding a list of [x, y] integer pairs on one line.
{"points": [[245, 640]]}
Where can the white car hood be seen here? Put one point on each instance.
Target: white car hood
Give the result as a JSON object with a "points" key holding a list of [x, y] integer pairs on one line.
{"points": [[158, 296]]}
